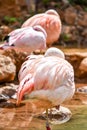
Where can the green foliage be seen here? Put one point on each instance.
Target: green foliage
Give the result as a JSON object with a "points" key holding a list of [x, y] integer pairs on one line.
{"points": [[46, 1], [66, 37], [85, 9], [10, 19], [81, 2]]}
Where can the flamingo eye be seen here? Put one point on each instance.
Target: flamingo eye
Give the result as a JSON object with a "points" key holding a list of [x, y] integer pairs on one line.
{"points": [[36, 29]]}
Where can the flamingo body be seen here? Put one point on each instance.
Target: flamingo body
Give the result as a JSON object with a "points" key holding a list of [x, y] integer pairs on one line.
{"points": [[27, 65], [27, 39], [52, 79], [50, 21]]}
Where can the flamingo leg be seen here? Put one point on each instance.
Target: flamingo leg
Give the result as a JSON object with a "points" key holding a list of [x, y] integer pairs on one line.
{"points": [[47, 121]]}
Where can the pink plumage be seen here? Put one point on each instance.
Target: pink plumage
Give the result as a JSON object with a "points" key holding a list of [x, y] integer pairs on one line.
{"points": [[50, 21], [27, 39], [50, 78]]}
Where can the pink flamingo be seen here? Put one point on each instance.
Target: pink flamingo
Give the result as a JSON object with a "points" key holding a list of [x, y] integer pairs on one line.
{"points": [[27, 39], [49, 77], [26, 66], [50, 21]]}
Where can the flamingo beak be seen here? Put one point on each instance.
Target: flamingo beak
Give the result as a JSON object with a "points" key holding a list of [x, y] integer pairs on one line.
{"points": [[19, 98], [18, 102], [4, 46], [26, 86], [20, 95]]}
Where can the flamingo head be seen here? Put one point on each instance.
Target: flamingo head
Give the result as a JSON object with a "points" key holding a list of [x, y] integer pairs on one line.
{"points": [[53, 51], [39, 28], [52, 12]]}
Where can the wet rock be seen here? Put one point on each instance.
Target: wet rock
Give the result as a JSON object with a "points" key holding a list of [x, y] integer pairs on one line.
{"points": [[2, 99], [82, 90], [7, 105], [7, 69], [58, 116], [7, 92]]}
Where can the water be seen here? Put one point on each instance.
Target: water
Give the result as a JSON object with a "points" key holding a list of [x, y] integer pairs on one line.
{"points": [[78, 120], [26, 117], [18, 120]]}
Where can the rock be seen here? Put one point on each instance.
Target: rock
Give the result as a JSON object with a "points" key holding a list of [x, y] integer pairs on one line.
{"points": [[83, 65], [69, 33], [70, 16], [79, 63], [7, 69], [4, 30], [82, 89], [82, 19], [74, 30], [8, 92], [18, 57], [84, 33]]}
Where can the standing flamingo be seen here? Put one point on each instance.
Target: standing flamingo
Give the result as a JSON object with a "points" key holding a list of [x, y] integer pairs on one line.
{"points": [[50, 78], [27, 39], [50, 21]]}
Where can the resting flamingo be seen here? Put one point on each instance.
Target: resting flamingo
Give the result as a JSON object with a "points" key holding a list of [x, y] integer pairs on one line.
{"points": [[53, 51], [50, 21], [49, 78], [27, 39], [26, 66]]}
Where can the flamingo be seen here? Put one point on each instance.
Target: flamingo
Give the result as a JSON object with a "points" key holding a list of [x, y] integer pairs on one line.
{"points": [[49, 77], [27, 39], [26, 66], [50, 21]]}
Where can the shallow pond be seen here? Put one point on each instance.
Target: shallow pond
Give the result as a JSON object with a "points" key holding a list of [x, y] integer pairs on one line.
{"points": [[26, 117], [78, 120]]}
